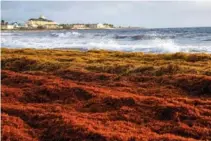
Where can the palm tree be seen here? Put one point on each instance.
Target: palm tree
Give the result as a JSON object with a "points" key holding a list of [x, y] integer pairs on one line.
{"points": [[2, 22]]}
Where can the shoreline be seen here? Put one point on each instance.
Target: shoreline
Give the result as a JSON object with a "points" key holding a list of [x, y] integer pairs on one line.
{"points": [[114, 51]]}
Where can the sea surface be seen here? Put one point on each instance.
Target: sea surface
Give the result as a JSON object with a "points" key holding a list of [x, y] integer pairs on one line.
{"points": [[166, 40]]}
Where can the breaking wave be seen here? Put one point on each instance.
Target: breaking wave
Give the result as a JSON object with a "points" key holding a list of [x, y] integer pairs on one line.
{"points": [[66, 34], [143, 37], [154, 46], [158, 41]]}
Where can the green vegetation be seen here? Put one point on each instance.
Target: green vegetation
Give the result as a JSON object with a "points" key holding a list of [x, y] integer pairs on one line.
{"points": [[66, 26], [110, 25]]}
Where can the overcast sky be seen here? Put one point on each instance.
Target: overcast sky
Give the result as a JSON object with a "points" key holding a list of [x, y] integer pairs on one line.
{"points": [[144, 14]]}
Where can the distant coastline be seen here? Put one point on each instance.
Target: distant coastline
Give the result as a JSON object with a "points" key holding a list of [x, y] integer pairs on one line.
{"points": [[62, 29], [42, 23]]}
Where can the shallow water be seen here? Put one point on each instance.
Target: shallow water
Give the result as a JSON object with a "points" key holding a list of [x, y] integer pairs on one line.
{"points": [[168, 40]]}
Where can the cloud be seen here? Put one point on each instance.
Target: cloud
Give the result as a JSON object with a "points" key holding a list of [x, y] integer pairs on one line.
{"points": [[137, 13]]}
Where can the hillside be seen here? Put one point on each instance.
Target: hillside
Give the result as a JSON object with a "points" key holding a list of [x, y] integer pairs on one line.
{"points": [[62, 95]]}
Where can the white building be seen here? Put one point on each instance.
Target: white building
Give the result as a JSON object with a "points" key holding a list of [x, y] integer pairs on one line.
{"points": [[41, 22], [100, 25], [7, 26], [15, 25]]}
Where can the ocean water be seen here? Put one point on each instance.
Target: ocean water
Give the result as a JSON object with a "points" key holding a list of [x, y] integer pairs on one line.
{"points": [[168, 40]]}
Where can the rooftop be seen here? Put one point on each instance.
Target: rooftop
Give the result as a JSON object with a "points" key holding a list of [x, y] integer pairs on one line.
{"points": [[41, 18]]}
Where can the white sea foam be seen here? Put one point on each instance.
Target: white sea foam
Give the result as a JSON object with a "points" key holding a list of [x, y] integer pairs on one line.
{"points": [[5, 33], [157, 45], [66, 34], [100, 40]]}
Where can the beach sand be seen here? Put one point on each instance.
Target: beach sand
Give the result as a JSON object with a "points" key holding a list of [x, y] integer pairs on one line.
{"points": [[103, 95]]}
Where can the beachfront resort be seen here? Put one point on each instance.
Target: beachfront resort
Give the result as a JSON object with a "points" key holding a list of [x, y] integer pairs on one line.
{"points": [[43, 23]]}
